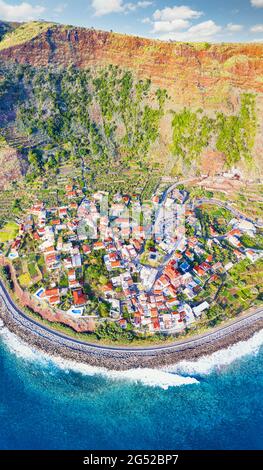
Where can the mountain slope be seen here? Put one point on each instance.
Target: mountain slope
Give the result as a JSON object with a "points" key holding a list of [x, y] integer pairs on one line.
{"points": [[211, 77], [180, 67], [7, 27]]}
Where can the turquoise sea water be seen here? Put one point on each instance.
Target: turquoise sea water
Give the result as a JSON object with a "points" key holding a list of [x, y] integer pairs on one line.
{"points": [[47, 405]]}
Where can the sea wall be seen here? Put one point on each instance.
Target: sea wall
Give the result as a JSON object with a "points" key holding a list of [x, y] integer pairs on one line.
{"points": [[54, 343]]}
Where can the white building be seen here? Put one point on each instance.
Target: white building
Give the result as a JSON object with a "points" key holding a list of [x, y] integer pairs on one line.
{"points": [[200, 308], [148, 276]]}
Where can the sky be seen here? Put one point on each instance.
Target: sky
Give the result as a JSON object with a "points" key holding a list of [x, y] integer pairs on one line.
{"points": [[197, 20]]}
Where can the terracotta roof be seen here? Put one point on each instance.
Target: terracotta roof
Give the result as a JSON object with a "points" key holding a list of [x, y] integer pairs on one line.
{"points": [[79, 297], [52, 292]]}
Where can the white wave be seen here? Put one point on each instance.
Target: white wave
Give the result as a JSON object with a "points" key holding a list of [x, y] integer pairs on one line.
{"points": [[20, 348], [170, 376], [146, 376], [219, 359]]}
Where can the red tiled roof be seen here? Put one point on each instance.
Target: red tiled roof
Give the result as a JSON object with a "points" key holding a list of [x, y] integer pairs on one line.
{"points": [[52, 292], [79, 297], [54, 299]]}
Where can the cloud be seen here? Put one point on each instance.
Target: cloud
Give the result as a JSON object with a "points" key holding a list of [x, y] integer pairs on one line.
{"points": [[176, 23], [167, 26], [176, 13], [233, 28], [60, 7], [257, 3], [200, 32], [258, 28], [20, 12], [106, 7], [144, 4]]}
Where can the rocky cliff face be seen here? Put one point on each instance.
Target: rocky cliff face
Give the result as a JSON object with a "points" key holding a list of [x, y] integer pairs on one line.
{"points": [[201, 74], [195, 75]]}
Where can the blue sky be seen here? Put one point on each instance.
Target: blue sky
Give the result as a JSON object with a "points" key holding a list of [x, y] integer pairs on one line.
{"points": [[197, 20]]}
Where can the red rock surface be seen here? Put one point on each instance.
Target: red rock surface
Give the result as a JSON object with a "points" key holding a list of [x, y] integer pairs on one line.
{"points": [[191, 73], [207, 76]]}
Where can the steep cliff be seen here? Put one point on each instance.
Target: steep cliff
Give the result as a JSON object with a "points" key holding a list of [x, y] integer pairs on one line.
{"points": [[193, 73], [210, 76]]}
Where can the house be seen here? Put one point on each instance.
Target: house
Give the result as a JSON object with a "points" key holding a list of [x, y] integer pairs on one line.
{"points": [[86, 249], [148, 276], [234, 241], [171, 302], [123, 323], [115, 309], [228, 266], [246, 227], [189, 255], [71, 194], [36, 236], [217, 266], [51, 260], [62, 211], [163, 281], [41, 231], [238, 254], [199, 271], [198, 310], [55, 222], [76, 260], [189, 293], [189, 316], [172, 290], [79, 297], [205, 266], [98, 246], [107, 288], [155, 324], [253, 255], [54, 300], [71, 274], [115, 264], [52, 295]]}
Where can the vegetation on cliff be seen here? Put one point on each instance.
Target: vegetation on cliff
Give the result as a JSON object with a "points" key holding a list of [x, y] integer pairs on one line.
{"points": [[106, 121], [104, 116], [234, 135]]}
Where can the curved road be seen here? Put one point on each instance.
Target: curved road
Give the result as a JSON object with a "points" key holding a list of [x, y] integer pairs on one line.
{"points": [[83, 346]]}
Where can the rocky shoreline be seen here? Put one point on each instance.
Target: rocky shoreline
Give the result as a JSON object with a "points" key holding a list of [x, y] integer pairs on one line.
{"points": [[121, 359]]}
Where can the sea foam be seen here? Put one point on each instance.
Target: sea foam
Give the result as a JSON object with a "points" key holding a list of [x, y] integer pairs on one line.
{"points": [[220, 359], [182, 373], [147, 376]]}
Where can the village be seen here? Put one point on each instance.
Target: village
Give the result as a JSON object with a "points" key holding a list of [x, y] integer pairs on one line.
{"points": [[156, 273]]}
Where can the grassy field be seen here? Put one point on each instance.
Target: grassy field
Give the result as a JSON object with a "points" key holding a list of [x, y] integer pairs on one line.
{"points": [[8, 232]]}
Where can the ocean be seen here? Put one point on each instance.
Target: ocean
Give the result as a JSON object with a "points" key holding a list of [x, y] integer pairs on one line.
{"points": [[214, 403]]}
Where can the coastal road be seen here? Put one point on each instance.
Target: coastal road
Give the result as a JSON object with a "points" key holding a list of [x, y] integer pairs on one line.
{"points": [[61, 339]]}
